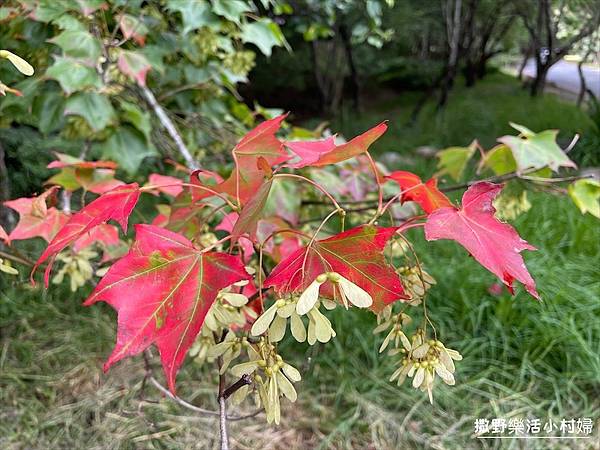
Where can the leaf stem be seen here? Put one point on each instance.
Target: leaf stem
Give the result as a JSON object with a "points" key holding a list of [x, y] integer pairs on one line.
{"points": [[315, 184]]}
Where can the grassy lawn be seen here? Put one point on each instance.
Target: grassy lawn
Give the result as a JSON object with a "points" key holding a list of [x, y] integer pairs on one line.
{"points": [[482, 112], [522, 358]]}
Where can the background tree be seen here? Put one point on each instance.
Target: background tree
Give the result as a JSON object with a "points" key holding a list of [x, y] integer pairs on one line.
{"points": [[486, 25], [333, 29], [554, 27]]}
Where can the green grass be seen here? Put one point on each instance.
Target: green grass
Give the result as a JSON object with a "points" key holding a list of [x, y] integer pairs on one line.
{"points": [[522, 358], [482, 112]]}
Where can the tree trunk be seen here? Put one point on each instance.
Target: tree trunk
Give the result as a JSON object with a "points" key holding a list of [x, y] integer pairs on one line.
{"points": [[354, 79], [582, 82], [481, 70], [526, 57], [539, 82], [453, 27], [470, 73]]}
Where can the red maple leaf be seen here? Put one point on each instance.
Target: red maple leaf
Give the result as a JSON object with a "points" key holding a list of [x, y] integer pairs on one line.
{"points": [[167, 185], [204, 178], [247, 176], [162, 290], [65, 160], [496, 245], [356, 254], [427, 194], [107, 235], [324, 152], [116, 205], [35, 218], [228, 224], [251, 212]]}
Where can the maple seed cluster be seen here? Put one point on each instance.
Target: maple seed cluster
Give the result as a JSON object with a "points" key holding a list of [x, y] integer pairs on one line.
{"points": [[272, 377], [416, 283], [422, 359]]}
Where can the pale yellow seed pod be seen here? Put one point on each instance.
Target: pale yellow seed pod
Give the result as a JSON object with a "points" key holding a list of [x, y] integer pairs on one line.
{"points": [[22, 66]]}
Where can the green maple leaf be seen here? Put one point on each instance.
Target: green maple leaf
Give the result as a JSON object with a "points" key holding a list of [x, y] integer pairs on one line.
{"points": [[536, 150], [194, 13], [586, 195], [94, 108], [453, 160]]}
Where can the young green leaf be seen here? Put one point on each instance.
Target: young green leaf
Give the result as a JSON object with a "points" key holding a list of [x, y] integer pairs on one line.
{"points": [[586, 194]]}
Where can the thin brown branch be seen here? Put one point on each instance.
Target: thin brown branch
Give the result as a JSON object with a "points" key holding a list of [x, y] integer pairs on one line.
{"points": [[185, 404], [221, 400], [245, 380], [19, 258], [16, 259]]}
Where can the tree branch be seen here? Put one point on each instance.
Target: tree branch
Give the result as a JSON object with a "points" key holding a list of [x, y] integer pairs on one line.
{"points": [[170, 127], [186, 404], [245, 380], [16, 259]]}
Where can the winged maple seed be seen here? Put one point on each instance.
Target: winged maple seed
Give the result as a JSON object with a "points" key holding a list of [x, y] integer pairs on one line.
{"points": [[342, 287]]}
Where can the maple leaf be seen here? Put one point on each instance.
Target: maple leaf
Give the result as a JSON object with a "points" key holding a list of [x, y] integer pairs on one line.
{"points": [[324, 152], [167, 185], [356, 254], [116, 204], [134, 65], [228, 224], [251, 213], [284, 244], [75, 173], [453, 160], [204, 178], [162, 290], [536, 150], [107, 235], [65, 160], [495, 244], [585, 193], [97, 181], [247, 176], [35, 218], [427, 194]]}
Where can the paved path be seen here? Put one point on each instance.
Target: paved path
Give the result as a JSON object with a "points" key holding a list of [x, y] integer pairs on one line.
{"points": [[564, 76]]}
